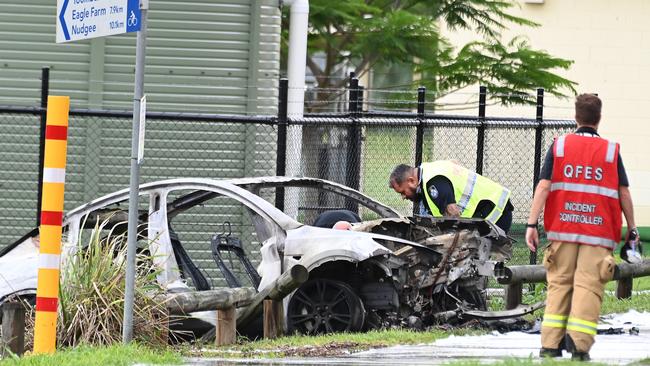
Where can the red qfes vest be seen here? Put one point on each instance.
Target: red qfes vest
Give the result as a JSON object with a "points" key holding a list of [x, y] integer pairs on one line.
{"points": [[583, 205]]}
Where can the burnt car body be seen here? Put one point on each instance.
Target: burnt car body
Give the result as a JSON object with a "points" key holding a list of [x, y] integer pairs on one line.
{"points": [[388, 270]]}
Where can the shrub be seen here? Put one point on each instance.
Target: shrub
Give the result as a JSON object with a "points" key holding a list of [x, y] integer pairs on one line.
{"points": [[91, 296]]}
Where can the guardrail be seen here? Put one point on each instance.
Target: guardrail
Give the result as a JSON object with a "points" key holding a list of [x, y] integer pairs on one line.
{"points": [[224, 300], [514, 276], [270, 301]]}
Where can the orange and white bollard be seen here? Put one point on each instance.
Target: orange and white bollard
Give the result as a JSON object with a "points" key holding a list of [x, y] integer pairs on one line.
{"points": [[47, 291]]}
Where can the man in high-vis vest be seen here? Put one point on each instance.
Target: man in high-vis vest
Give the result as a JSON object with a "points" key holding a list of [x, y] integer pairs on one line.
{"points": [[583, 188], [445, 188]]}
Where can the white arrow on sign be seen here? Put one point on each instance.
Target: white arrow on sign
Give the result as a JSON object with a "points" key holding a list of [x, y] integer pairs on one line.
{"points": [[84, 19]]}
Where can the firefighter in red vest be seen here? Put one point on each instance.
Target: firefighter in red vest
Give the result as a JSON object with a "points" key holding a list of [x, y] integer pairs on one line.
{"points": [[583, 188]]}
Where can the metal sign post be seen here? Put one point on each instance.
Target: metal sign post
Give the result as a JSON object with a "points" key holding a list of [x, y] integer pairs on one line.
{"points": [[138, 93], [84, 19]]}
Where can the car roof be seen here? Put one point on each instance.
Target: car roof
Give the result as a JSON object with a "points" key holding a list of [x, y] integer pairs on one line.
{"points": [[277, 181], [233, 185], [219, 186], [236, 188]]}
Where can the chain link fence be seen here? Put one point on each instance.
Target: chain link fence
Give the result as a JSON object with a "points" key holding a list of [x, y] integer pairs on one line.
{"points": [[356, 147], [508, 155], [20, 171]]}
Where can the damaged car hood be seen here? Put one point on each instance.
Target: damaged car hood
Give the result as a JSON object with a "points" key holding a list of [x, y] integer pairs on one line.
{"points": [[315, 245]]}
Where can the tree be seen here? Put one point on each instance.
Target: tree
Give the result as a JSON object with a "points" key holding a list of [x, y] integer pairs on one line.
{"points": [[368, 33]]}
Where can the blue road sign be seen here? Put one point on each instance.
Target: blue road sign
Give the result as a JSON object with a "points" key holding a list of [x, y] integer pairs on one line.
{"points": [[84, 19]]}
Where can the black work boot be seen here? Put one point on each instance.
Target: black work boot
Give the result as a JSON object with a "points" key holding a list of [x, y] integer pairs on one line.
{"points": [[580, 356], [553, 352], [576, 355], [550, 352]]}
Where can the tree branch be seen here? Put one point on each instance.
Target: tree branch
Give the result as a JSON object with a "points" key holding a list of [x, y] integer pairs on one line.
{"points": [[315, 69], [362, 67]]}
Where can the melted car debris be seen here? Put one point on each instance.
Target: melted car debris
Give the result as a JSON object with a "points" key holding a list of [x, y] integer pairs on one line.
{"points": [[450, 287]]}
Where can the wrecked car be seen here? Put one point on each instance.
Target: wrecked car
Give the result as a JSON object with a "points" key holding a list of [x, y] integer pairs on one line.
{"points": [[387, 270]]}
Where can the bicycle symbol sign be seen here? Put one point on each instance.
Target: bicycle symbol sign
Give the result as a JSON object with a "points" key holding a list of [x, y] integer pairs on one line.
{"points": [[133, 21]]}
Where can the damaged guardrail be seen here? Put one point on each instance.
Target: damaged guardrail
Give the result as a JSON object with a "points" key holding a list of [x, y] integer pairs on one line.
{"points": [[271, 300], [224, 300], [514, 276]]}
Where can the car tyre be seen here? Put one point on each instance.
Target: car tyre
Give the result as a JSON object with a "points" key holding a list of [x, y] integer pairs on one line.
{"points": [[325, 306]]}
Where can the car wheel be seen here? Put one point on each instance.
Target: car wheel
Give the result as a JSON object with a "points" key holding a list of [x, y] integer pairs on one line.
{"points": [[325, 306]]}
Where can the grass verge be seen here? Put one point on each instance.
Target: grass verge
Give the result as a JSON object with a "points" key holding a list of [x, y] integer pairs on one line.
{"points": [[327, 345], [638, 302], [638, 284], [116, 355]]}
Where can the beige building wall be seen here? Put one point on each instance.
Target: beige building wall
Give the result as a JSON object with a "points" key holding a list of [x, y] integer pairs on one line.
{"points": [[609, 40]]}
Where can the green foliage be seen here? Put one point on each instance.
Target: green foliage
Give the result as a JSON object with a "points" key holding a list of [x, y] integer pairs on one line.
{"points": [[638, 284], [509, 71], [364, 34], [91, 299], [92, 294], [487, 17], [116, 355], [638, 302]]}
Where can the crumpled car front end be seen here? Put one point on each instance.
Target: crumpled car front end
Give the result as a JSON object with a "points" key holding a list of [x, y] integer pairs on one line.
{"points": [[397, 272]]}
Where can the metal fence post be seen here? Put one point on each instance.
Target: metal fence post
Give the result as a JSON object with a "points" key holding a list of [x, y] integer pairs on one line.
{"points": [[419, 131], [539, 117], [45, 91], [354, 148], [480, 139], [281, 162], [419, 134], [353, 96], [360, 101]]}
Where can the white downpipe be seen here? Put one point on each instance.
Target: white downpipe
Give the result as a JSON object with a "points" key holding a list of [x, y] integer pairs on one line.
{"points": [[298, 28]]}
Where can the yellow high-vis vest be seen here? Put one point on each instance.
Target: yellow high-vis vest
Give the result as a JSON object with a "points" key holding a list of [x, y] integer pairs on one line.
{"points": [[469, 189]]}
